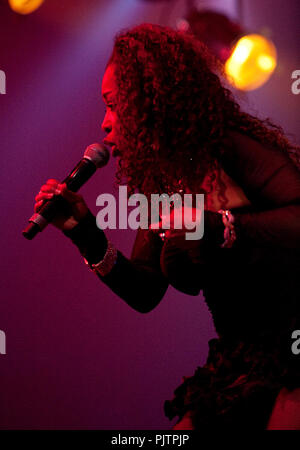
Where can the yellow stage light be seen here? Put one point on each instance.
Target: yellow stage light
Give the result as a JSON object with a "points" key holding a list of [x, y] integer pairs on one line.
{"points": [[25, 6], [251, 63]]}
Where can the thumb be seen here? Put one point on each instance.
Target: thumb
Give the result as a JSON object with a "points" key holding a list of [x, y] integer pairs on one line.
{"points": [[70, 196]]}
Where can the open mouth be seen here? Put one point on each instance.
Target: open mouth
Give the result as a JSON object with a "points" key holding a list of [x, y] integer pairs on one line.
{"points": [[112, 145], [115, 151]]}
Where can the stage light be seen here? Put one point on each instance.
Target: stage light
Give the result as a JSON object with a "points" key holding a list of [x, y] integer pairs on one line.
{"points": [[25, 6], [249, 59], [251, 63]]}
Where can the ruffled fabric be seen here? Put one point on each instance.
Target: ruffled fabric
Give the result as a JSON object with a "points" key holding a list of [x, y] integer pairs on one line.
{"points": [[238, 385]]}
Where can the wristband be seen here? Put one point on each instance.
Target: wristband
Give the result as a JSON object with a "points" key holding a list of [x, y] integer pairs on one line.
{"points": [[104, 266], [229, 231]]}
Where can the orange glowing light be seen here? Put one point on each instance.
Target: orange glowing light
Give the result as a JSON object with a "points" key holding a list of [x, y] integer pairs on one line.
{"points": [[252, 62], [25, 6]]}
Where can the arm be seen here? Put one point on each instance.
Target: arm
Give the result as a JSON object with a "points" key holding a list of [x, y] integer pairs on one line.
{"points": [[272, 183], [138, 280]]}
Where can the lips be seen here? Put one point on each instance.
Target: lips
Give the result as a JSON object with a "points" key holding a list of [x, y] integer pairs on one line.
{"points": [[112, 145], [115, 151], [109, 143]]}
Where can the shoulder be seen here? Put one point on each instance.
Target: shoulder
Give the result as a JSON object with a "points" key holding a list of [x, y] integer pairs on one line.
{"points": [[242, 146], [244, 154]]}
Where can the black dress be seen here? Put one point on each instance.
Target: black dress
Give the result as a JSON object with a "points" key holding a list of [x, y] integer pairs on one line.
{"points": [[251, 289]]}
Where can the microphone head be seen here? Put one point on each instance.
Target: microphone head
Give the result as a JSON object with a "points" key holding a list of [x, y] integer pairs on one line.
{"points": [[98, 154]]}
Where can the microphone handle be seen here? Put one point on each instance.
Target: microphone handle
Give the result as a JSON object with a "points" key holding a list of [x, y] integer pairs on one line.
{"points": [[78, 176]]}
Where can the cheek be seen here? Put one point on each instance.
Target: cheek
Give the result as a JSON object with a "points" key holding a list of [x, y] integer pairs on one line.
{"points": [[115, 122]]}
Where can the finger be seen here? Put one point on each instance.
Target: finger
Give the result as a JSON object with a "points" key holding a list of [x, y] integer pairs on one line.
{"points": [[43, 196], [52, 181], [158, 228], [47, 188], [167, 234], [38, 206], [167, 220], [72, 197], [175, 233], [155, 226]]}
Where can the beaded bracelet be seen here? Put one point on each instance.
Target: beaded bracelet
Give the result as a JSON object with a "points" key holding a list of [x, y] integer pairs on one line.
{"points": [[106, 264], [229, 232]]}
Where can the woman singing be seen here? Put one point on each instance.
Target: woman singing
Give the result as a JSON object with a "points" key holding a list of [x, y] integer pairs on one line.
{"points": [[175, 129]]}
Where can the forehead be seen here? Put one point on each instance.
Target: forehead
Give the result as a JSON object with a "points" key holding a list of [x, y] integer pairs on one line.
{"points": [[109, 81]]}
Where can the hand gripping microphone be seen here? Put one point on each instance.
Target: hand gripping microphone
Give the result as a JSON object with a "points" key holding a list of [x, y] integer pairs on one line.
{"points": [[95, 156]]}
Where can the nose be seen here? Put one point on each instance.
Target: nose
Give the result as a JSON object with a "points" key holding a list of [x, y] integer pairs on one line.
{"points": [[106, 125]]}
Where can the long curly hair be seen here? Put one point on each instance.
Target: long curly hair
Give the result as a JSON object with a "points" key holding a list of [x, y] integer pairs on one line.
{"points": [[174, 112]]}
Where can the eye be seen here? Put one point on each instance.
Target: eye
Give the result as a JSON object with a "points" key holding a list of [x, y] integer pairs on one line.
{"points": [[110, 106]]}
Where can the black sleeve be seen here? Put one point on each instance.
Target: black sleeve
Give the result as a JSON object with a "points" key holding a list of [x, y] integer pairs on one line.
{"points": [[271, 181], [138, 280]]}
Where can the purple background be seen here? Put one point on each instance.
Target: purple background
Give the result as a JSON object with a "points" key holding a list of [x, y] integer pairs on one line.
{"points": [[77, 355]]}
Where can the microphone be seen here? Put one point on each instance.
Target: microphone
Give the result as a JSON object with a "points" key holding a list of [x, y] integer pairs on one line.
{"points": [[95, 156]]}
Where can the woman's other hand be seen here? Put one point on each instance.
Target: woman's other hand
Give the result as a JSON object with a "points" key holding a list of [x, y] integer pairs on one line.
{"points": [[180, 220]]}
